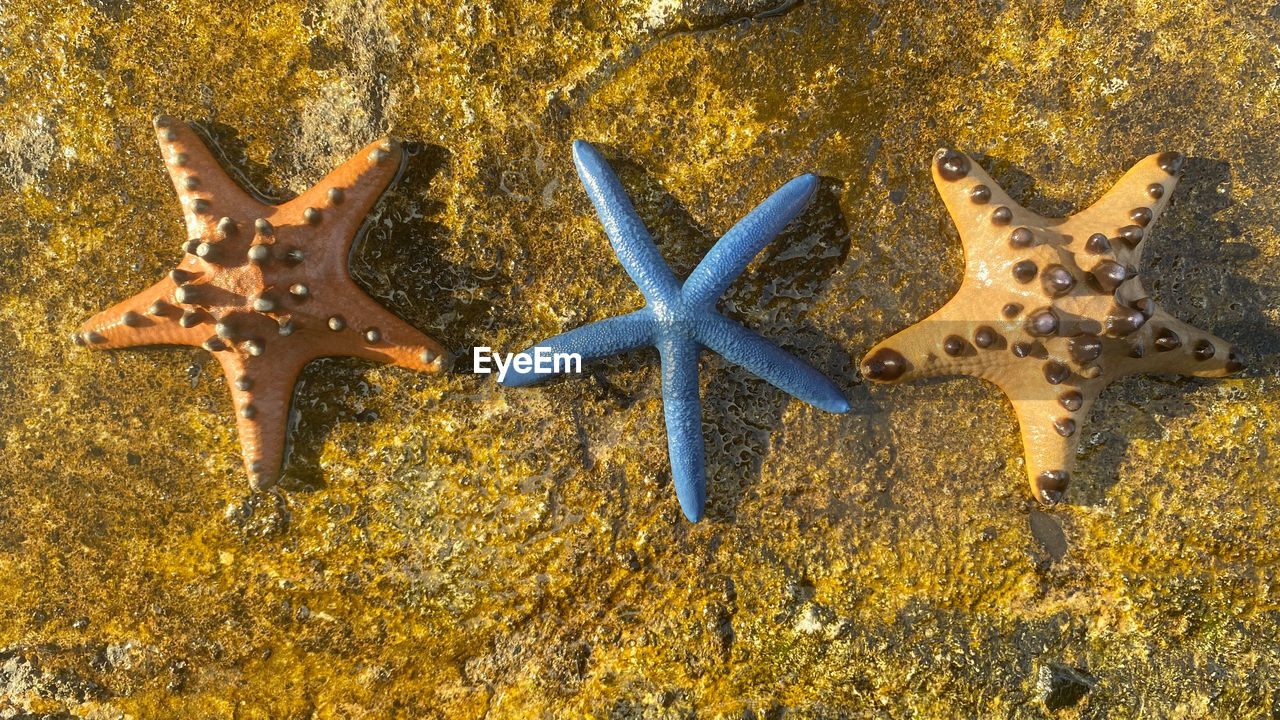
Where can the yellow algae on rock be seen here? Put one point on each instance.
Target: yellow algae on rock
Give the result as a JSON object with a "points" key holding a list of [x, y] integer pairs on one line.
{"points": [[441, 547]]}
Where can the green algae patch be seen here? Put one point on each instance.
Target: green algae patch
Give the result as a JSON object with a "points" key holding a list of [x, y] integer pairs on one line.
{"points": [[442, 547]]}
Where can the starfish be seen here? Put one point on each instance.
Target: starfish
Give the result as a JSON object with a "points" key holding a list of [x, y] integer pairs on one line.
{"points": [[681, 319], [265, 288], [1051, 309]]}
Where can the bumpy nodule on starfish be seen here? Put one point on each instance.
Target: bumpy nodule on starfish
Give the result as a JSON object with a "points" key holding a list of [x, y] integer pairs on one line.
{"points": [[680, 319], [265, 288], [1051, 310]]}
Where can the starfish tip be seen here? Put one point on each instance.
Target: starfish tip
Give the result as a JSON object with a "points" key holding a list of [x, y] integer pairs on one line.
{"points": [[87, 336], [691, 485], [1170, 162], [393, 147], [694, 514], [437, 362], [261, 480], [585, 152], [833, 401], [808, 183], [883, 365], [1050, 485], [1049, 498], [950, 164]]}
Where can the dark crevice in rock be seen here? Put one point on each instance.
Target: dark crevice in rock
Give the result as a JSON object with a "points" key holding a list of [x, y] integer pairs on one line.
{"points": [[1061, 686], [692, 18]]}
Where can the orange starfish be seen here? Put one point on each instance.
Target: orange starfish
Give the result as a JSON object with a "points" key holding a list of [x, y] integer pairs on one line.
{"points": [[265, 288], [1051, 309]]}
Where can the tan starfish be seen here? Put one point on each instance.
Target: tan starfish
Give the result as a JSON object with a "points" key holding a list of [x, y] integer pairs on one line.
{"points": [[265, 288], [1050, 309]]}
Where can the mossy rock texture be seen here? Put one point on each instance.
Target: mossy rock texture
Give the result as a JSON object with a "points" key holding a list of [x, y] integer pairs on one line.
{"points": [[442, 547]]}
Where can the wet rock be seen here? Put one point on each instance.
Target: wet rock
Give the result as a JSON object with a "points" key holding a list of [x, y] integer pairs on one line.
{"points": [[258, 515], [814, 619], [463, 537], [563, 666], [18, 673], [27, 150], [121, 655], [66, 685], [1060, 686], [719, 627], [704, 15], [1048, 534]]}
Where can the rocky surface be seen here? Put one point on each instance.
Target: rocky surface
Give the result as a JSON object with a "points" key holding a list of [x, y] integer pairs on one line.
{"points": [[443, 547]]}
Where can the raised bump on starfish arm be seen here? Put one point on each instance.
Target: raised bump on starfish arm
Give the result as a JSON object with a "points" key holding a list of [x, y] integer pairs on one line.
{"points": [[976, 202], [204, 188], [735, 250], [1117, 215], [919, 351], [1050, 433], [148, 318], [1181, 348], [628, 235], [393, 341], [261, 393], [603, 338], [358, 183], [682, 409], [769, 362]]}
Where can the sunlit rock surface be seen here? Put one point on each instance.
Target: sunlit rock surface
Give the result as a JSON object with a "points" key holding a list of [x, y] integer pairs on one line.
{"points": [[442, 547]]}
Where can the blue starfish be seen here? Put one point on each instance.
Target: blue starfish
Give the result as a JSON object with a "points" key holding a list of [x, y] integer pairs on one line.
{"points": [[681, 320]]}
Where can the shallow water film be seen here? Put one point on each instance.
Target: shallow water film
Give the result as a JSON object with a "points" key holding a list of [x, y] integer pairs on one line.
{"points": [[442, 547]]}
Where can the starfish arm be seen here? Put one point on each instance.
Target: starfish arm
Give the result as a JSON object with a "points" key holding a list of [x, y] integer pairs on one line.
{"points": [[919, 351], [599, 339], [148, 318], [735, 250], [261, 392], [1050, 430], [977, 205], [1050, 411], [334, 209], [205, 190], [682, 407], [743, 347], [1176, 347], [1129, 210], [627, 233], [370, 331]]}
